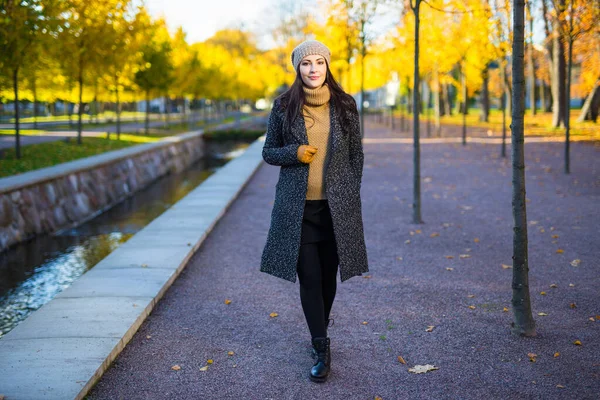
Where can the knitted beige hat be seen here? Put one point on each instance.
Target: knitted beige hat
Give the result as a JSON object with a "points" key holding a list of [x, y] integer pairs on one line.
{"points": [[307, 48]]}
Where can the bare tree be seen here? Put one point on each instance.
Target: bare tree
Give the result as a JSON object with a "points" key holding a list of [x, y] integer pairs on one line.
{"points": [[524, 324], [415, 5], [573, 21]]}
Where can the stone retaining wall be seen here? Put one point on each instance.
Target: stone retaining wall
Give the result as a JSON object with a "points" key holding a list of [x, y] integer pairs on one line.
{"points": [[63, 196]]}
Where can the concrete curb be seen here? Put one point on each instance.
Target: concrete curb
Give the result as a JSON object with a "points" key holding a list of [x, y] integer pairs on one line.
{"points": [[63, 348]]}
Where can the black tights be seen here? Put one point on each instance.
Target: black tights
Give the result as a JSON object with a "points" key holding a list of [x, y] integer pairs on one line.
{"points": [[317, 271]]}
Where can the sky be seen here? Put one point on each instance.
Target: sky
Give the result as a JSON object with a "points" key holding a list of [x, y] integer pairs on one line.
{"points": [[202, 18]]}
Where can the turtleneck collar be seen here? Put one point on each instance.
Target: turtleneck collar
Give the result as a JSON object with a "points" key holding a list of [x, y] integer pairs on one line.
{"points": [[316, 97]]}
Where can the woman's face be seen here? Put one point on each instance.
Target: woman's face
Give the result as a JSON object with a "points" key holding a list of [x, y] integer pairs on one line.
{"points": [[313, 70]]}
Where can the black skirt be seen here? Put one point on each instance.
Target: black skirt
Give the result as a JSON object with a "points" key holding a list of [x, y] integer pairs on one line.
{"points": [[317, 225]]}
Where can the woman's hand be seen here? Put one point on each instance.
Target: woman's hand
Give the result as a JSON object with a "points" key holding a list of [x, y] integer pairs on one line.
{"points": [[306, 153]]}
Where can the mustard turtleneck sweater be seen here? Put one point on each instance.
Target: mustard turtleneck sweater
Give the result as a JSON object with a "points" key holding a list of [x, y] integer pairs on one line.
{"points": [[316, 118]]}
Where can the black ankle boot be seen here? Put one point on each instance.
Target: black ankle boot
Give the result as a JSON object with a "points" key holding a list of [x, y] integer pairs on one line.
{"points": [[320, 370]]}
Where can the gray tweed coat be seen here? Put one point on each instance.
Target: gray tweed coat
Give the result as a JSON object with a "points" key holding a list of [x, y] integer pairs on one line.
{"points": [[343, 182]]}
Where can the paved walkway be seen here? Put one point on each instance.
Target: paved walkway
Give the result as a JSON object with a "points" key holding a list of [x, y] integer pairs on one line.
{"points": [[468, 220]]}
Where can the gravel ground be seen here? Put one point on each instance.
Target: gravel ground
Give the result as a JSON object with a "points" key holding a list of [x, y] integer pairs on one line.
{"points": [[466, 194]]}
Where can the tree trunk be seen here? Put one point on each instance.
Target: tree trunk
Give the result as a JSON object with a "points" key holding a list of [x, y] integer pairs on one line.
{"points": [[16, 92], [508, 93], [503, 101], [542, 89], [485, 97], [362, 84], [558, 76], [588, 111], [34, 89], [530, 66], [568, 109], [118, 112], [446, 100], [523, 324], [416, 146], [80, 111], [465, 106], [167, 121], [147, 123], [436, 101]]}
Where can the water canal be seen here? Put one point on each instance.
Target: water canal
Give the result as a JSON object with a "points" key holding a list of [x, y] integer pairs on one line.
{"points": [[32, 273]]}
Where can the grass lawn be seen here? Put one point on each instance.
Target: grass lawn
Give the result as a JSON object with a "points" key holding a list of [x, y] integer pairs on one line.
{"points": [[538, 125], [43, 155]]}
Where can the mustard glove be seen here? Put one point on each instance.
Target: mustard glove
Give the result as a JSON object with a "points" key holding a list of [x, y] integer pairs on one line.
{"points": [[306, 153]]}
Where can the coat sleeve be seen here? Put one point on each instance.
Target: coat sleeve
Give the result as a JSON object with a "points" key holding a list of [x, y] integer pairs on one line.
{"points": [[274, 152], [355, 146]]}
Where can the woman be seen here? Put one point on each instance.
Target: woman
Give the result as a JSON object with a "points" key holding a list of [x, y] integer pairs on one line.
{"points": [[313, 134]]}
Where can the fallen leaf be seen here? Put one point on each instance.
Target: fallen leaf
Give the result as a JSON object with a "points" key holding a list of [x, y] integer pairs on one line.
{"points": [[401, 360], [573, 305], [399, 258], [429, 328], [227, 301], [542, 230], [449, 269], [273, 315], [533, 222], [531, 356], [472, 307], [449, 257], [554, 285], [505, 309], [476, 240], [560, 251], [205, 368], [209, 361], [407, 241], [418, 231], [421, 369], [571, 285], [504, 266], [230, 353], [560, 386], [542, 314], [576, 262], [471, 296], [577, 343], [364, 322], [148, 336], [543, 293], [434, 234], [465, 256], [557, 354], [175, 367], [378, 398], [367, 276], [554, 236]]}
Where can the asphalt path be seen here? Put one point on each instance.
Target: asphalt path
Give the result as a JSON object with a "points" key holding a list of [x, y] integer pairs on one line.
{"points": [[435, 293]]}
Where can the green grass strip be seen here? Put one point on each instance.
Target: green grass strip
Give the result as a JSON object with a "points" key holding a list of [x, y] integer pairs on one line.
{"points": [[44, 155]]}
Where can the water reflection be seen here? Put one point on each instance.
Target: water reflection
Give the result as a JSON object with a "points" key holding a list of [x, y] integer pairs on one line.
{"points": [[32, 273]]}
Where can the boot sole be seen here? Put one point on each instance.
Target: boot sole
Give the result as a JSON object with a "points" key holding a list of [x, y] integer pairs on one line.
{"points": [[317, 380]]}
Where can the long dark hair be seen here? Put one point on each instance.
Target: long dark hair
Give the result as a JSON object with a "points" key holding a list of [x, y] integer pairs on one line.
{"points": [[293, 99]]}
